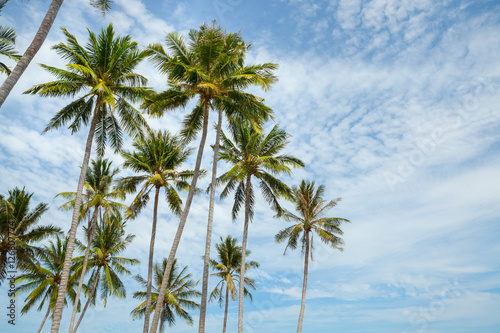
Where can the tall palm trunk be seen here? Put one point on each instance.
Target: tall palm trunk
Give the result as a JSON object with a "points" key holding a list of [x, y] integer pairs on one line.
{"points": [[226, 309], [304, 285], [44, 319], [56, 322], [206, 261], [94, 287], [150, 263], [31, 51], [84, 268], [243, 255], [182, 222]]}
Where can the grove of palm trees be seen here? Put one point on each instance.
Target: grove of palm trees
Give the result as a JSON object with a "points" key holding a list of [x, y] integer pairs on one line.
{"points": [[158, 173], [99, 76]]}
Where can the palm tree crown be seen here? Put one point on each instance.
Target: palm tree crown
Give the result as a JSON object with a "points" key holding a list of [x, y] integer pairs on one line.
{"points": [[210, 67], [228, 265], [254, 154], [311, 207], [102, 71], [42, 279], [99, 192], [108, 243], [180, 290], [156, 159], [18, 226]]}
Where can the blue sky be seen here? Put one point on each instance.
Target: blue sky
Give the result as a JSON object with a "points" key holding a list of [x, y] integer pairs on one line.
{"points": [[393, 105]]}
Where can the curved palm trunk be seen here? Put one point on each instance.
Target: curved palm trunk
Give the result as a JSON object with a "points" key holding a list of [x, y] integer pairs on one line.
{"points": [[31, 51], [241, 293], [44, 319], [182, 222], [225, 310], [94, 287], [150, 263], [84, 269], [304, 285], [56, 322], [204, 289]]}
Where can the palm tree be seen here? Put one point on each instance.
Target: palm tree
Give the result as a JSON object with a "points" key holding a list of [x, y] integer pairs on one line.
{"points": [[254, 154], [43, 278], [311, 207], [19, 230], [211, 68], [157, 159], [180, 290], [103, 70], [36, 44], [98, 195], [228, 269], [109, 241]]}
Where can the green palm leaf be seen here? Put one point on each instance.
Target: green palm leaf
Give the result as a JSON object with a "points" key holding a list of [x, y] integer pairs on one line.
{"points": [[41, 279], [7, 43], [103, 71], [19, 223], [180, 290]]}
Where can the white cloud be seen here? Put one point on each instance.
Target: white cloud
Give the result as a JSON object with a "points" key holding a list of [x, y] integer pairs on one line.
{"points": [[347, 13]]}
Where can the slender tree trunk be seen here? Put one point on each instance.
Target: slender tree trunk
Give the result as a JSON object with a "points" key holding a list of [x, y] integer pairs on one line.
{"points": [[162, 325], [225, 310], [243, 255], [84, 268], [94, 287], [180, 228], [150, 263], [44, 319], [31, 51], [304, 285], [206, 261], [56, 322]]}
